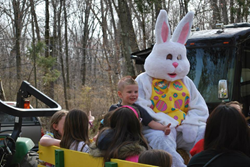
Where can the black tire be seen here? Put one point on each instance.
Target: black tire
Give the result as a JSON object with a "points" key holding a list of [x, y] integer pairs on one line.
{"points": [[30, 160]]}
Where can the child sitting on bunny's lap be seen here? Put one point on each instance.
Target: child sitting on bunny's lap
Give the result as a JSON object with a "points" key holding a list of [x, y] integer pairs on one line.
{"points": [[168, 95], [128, 92]]}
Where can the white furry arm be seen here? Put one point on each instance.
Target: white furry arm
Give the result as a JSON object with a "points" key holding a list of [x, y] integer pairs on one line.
{"points": [[145, 90], [198, 111]]}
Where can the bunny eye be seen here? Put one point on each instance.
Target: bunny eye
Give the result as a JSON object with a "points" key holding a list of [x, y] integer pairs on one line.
{"points": [[179, 57], [169, 56]]}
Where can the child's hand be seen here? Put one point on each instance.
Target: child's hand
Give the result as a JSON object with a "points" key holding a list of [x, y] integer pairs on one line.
{"points": [[91, 118], [167, 129]]}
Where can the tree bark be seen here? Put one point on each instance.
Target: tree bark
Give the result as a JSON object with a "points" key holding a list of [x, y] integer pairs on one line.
{"points": [[2, 94], [216, 13], [66, 42], [224, 11], [49, 84], [129, 42], [232, 11], [158, 6], [84, 41], [105, 46], [239, 14], [34, 55], [61, 57], [18, 28], [35, 19]]}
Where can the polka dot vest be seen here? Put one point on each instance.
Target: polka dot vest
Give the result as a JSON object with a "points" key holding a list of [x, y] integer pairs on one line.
{"points": [[171, 98]]}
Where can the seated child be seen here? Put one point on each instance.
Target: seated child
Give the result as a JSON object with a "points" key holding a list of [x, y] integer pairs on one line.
{"points": [[56, 129], [226, 140], [155, 157], [199, 146], [75, 136], [103, 123], [123, 139], [128, 92]]}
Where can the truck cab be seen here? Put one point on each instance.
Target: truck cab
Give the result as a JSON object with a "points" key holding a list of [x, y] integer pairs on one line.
{"points": [[214, 55]]}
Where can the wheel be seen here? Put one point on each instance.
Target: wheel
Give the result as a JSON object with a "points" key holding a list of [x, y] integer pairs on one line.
{"points": [[30, 160]]}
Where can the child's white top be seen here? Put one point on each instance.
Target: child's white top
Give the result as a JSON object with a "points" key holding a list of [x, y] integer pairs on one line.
{"points": [[79, 148]]}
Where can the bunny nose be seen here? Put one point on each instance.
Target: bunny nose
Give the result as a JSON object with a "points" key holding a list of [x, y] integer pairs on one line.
{"points": [[175, 64]]}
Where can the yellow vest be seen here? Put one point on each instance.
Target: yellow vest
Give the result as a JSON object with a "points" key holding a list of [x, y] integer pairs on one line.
{"points": [[171, 98]]}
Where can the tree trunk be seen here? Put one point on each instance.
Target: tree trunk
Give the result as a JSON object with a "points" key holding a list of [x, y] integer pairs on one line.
{"points": [[158, 6], [61, 57], [46, 36], [186, 6], [216, 13], [105, 46], [232, 11], [17, 22], [49, 84], [34, 55], [66, 42], [246, 10], [84, 41], [128, 37], [117, 67], [224, 11], [2, 94], [239, 14], [35, 19]]}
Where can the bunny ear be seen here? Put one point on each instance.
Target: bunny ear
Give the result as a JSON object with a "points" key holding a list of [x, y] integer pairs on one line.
{"points": [[162, 30], [182, 31]]}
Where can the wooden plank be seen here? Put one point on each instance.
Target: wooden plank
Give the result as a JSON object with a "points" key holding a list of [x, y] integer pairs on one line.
{"points": [[110, 164], [80, 159], [122, 163], [59, 158], [71, 158], [47, 154]]}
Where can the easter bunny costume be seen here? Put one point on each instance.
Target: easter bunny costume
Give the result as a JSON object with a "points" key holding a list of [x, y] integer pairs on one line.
{"points": [[168, 94]]}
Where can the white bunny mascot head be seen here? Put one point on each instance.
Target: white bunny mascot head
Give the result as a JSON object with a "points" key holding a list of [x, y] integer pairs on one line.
{"points": [[168, 94], [168, 58]]}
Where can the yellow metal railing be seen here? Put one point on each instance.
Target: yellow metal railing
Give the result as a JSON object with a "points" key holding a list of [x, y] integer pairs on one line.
{"points": [[68, 158]]}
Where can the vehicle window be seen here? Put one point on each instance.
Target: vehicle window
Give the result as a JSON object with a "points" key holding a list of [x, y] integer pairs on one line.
{"points": [[245, 73], [9, 119], [6, 119], [208, 66]]}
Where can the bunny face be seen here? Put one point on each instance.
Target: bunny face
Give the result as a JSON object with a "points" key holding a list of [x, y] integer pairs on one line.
{"points": [[168, 58], [167, 61]]}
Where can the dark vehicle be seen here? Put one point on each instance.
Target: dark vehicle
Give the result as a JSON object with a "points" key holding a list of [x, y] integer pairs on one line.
{"points": [[31, 126], [15, 150], [218, 55]]}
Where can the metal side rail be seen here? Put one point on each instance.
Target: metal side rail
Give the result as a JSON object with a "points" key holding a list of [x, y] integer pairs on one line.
{"points": [[25, 91]]}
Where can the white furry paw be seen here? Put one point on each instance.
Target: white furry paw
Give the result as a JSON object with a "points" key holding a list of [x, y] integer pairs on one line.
{"points": [[189, 132]]}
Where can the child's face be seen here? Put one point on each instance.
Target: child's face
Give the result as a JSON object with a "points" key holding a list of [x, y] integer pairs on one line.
{"points": [[129, 94], [59, 126]]}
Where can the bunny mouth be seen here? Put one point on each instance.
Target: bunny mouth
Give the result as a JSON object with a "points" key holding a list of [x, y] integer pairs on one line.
{"points": [[172, 75]]}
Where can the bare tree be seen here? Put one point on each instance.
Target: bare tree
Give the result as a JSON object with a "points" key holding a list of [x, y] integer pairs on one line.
{"points": [[223, 5], [231, 11], [66, 42], [33, 12], [2, 94], [128, 38], [216, 13], [18, 14], [61, 56], [85, 38]]}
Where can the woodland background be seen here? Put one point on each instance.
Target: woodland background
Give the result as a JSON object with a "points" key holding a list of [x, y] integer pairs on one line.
{"points": [[75, 51]]}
